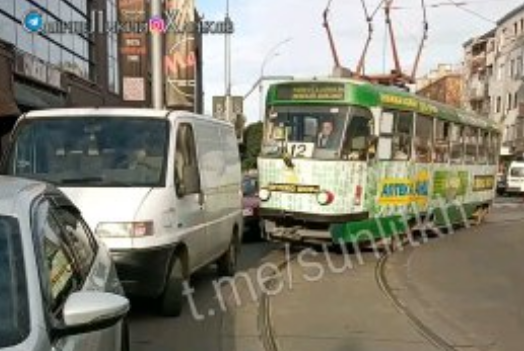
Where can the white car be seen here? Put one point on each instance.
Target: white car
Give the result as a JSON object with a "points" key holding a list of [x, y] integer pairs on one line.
{"points": [[58, 287], [161, 188], [515, 178]]}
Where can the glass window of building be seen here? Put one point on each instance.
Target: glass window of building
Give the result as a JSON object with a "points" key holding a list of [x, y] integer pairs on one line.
{"points": [[7, 28]]}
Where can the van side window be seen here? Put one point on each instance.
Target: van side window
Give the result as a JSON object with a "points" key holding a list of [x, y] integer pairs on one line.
{"points": [[187, 174]]}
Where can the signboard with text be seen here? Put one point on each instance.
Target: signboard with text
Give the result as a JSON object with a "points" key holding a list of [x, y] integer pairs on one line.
{"points": [[311, 92]]}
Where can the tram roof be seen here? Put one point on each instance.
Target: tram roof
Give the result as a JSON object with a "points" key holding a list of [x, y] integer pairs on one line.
{"points": [[373, 95]]}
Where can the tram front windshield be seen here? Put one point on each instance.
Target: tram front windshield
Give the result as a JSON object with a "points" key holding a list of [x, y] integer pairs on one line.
{"points": [[315, 132]]}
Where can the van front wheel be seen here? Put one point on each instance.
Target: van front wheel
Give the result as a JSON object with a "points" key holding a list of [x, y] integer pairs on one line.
{"points": [[172, 300], [227, 264]]}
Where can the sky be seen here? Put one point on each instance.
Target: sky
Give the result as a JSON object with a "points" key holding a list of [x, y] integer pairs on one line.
{"points": [[288, 35]]}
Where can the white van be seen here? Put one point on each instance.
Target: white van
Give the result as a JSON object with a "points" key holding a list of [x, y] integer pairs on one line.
{"points": [[161, 188], [515, 177]]}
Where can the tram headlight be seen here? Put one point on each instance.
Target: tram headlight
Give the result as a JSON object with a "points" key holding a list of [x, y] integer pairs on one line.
{"points": [[264, 194], [325, 198]]}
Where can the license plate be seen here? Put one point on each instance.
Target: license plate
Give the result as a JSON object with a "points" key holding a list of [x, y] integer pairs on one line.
{"points": [[247, 212]]}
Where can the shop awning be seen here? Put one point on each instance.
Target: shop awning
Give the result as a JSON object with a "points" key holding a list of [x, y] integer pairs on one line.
{"points": [[8, 105], [36, 98]]}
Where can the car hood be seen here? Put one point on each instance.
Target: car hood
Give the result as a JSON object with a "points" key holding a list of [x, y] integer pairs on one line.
{"points": [[107, 204]]}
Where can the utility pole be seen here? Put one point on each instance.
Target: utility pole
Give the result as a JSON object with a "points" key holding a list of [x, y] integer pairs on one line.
{"points": [[157, 63], [227, 70]]}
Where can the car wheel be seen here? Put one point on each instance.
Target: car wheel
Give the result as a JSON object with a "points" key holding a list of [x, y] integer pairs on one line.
{"points": [[171, 301], [124, 346], [227, 264]]}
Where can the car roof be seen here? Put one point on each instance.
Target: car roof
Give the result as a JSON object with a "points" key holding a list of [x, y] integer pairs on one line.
{"points": [[14, 189], [120, 112]]}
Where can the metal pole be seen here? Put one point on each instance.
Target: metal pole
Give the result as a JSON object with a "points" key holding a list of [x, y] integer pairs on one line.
{"points": [[227, 70], [156, 59]]}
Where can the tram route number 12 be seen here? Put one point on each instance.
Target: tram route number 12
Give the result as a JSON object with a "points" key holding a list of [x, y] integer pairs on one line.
{"points": [[299, 149]]}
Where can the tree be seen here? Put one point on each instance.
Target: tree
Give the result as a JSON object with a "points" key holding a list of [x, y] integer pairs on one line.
{"points": [[252, 145]]}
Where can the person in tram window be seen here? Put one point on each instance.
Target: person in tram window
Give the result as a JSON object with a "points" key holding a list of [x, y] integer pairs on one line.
{"points": [[326, 138]]}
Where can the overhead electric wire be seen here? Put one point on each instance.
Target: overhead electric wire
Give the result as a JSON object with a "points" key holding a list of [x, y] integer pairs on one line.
{"points": [[474, 13]]}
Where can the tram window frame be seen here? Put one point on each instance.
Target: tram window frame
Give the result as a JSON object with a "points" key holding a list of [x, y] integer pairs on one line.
{"points": [[457, 144], [441, 141], [494, 146], [423, 142], [483, 147], [471, 143], [367, 151], [399, 142]]}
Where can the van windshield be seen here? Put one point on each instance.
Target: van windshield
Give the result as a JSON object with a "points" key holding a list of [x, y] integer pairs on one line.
{"points": [[91, 151], [517, 172]]}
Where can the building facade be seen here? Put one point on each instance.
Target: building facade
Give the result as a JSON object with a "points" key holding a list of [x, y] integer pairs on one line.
{"points": [[506, 87], [443, 84], [479, 58], [93, 68], [40, 70]]}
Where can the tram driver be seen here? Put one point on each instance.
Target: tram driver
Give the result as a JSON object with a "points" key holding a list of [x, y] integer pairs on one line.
{"points": [[326, 138]]}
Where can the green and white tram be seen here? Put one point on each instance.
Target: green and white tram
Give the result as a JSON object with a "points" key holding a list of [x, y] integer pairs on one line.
{"points": [[345, 160]]}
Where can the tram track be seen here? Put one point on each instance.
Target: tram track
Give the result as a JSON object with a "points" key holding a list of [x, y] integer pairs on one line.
{"points": [[266, 328], [424, 330]]}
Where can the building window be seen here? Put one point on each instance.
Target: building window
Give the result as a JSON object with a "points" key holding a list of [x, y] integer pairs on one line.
{"points": [[499, 104], [516, 101], [500, 73], [510, 104], [113, 72], [67, 51]]}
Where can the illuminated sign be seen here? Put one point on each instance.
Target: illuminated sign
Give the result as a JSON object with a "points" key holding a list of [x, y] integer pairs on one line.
{"points": [[408, 103], [483, 183], [311, 92], [294, 188]]}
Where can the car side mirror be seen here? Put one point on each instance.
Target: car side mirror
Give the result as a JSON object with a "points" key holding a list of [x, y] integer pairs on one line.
{"points": [[86, 312]]}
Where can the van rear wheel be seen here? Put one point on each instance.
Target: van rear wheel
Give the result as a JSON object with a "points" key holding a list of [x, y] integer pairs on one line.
{"points": [[227, 264], [171, 301]]}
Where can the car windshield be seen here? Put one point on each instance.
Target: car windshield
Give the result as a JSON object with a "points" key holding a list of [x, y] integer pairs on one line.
{"points": [[91, 152], [517, 172], [14, 310], [249, 187]]}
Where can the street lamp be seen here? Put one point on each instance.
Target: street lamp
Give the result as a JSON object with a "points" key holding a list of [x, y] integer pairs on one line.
{"points": [[270, 55]]}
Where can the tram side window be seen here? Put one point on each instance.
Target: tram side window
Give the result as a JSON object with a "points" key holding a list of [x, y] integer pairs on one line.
{"points": [[483, 147], [457, 144], [403, 131], [471, 143], [442, 139], [423, 139], [493, 148], [358, 133]]}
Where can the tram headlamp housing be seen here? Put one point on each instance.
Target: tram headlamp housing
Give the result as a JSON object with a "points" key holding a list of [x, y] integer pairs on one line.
{"points": [[264, 194], [325, 198]]}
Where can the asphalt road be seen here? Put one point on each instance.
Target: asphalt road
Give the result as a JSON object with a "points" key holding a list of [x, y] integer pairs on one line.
{"points": [[467, 288], [151, 332]]}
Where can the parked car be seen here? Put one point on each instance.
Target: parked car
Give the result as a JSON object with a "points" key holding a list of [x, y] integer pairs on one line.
{"points": [[515, 182], [58, 287], [161, 188], [253, 227]]}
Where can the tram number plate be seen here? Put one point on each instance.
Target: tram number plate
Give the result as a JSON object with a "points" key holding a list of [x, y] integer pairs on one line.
{"points": [[300, 149]]}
